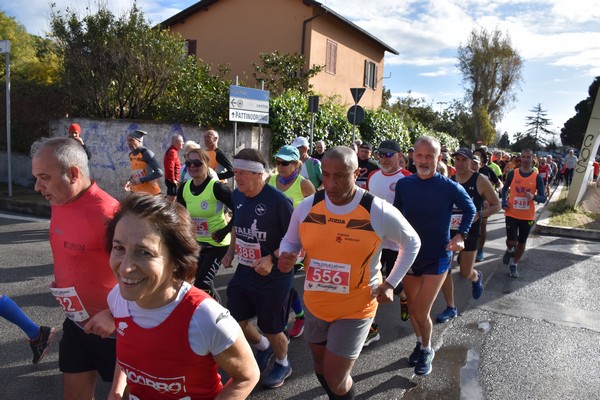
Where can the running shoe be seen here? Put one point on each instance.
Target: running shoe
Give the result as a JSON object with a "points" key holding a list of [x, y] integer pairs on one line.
{"points": [[277, 376], [423, 366], [478, 286], [41, 345], [508, 254], [413, 358], [514, 273], [372, 336], [479, 256], [298, 328], [263, 357], [404, 314], [446, 315]]}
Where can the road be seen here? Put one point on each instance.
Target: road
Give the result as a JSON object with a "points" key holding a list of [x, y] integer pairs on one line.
{"points": [[543, 341]]}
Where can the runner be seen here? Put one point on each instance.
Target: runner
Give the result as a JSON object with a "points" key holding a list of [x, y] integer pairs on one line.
{"points": [[342, 229], [486, 202], [258, 288], [382, 183], [206, 198], [145, 170], [426, 199], [82, 275], [171, 336], [519, 208], [288, 180]]}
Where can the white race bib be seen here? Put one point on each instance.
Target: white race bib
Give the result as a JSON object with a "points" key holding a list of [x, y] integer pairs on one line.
{"points": [[455, 221], [326, 276], [70, 302], [247, 252], [201, 227], [521, 203]]}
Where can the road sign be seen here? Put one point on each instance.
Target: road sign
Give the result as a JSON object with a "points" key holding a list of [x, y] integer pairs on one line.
{"points": [[357, 94], [356, 115], [4, 46], [248, 105]]}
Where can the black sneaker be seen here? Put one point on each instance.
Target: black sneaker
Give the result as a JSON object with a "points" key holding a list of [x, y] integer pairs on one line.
{"points": [[508, 254], [41, 345], [413, 358], [372, 336]]}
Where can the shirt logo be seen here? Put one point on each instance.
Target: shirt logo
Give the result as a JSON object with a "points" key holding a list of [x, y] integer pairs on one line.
{"points": [[121, 328], [260, 209], [238, 206], [204, 205], [221, 316]]}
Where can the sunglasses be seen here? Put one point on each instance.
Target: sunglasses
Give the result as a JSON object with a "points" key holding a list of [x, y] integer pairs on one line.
{"points": [[283, 163], [386, 155], [195, 163]]}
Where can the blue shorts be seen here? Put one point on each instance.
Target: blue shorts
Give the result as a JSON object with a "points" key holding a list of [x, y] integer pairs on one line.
{"points": [[271, 312], [430, 267]]}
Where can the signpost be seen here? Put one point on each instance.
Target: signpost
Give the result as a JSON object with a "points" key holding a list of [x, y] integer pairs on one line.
{"points": [[248, 105], [356, 114], [5, 49]]}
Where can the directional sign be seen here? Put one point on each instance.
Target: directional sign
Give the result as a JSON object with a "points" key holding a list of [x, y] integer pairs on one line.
{"points": [[356, 115], [248, 105]]}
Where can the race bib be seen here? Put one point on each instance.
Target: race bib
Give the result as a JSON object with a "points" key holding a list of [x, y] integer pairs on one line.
{"points": [[455, 221], [325, 276], [201, 227], [70, 302], [138, 173], [247, 252], [521, 203]]}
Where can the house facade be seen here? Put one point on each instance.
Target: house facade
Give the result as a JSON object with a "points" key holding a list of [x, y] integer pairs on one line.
{"points": [[236, 32]]}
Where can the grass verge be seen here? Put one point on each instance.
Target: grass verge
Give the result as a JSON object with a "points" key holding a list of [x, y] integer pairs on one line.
{"points": [[575, 217]]}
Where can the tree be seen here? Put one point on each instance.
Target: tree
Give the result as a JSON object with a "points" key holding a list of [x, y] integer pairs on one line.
{"points": [[537, 126], [574, 129], [491, 71], [282, 72], [114, 68], [504, 142]]}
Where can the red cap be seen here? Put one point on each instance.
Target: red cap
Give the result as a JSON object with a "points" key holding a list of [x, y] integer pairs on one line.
{"points": [[74, 128]]}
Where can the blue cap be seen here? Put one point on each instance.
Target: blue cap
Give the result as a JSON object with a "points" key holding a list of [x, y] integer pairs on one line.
{"points": [[288, 153]]}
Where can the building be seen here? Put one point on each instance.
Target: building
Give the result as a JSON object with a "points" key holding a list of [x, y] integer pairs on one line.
{"points": [[236, 32]]}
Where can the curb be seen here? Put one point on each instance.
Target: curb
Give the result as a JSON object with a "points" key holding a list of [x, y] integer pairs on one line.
{"points": [[25, 207], [543, 226]]}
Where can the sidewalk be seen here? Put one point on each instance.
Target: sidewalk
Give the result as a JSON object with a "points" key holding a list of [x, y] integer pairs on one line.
{"points": [[544, 227], [24, 200]]}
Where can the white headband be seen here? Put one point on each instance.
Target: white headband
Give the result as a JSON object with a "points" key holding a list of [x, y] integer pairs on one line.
{"points": [[252, 166]]}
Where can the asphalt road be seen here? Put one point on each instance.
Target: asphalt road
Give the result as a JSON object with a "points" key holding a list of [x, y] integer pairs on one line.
{"points": [[543, 340]]}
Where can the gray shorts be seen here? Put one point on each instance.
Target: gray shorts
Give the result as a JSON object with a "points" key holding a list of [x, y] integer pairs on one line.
{"points": [[343, 337]]}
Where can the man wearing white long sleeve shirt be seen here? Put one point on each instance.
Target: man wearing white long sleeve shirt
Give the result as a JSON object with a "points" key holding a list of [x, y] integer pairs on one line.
{"points": [[342, 229]]}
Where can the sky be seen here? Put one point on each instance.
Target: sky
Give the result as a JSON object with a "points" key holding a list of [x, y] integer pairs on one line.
{"points": [[558, 41]]}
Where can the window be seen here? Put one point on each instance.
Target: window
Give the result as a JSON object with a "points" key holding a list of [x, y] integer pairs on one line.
{"points": [[189, 47], [331, 57], [370, 74]]}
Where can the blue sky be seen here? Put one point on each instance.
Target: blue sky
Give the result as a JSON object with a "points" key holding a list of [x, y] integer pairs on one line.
{"points": [[559, 41]]}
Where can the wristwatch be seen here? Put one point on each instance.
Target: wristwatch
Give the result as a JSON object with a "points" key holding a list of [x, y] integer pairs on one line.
{"points": [[480, 214], [465, 234], [274, 259]]}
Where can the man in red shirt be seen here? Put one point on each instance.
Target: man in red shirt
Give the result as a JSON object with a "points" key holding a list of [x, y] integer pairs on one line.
{"points": [[172, 166]]}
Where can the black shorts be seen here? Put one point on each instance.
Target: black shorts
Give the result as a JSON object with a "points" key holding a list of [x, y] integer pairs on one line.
{"points": [[517, 230], [472, 238], [82, 352], [271, 311], [171, 188]]}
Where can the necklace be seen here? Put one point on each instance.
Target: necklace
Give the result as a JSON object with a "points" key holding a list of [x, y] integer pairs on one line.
{"points": [[289, 179]]}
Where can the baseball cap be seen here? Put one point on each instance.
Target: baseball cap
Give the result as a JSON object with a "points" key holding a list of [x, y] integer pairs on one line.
{"points": [[389, 146], [74, 128], [411, 150], [365, 145], [300, 141], [463, 151], [288, 153], [476, 158]]}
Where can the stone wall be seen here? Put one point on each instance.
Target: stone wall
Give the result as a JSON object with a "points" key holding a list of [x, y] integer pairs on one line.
{"points": [[106, 139]]}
